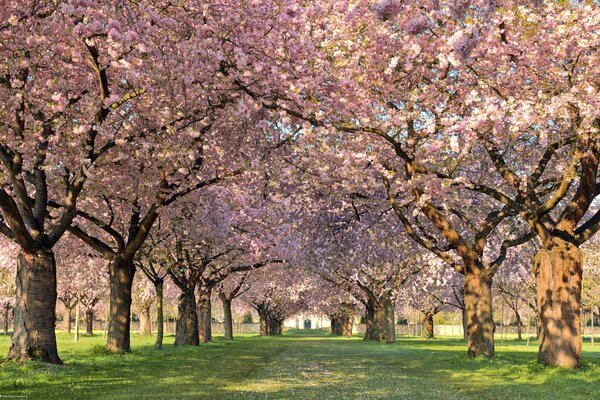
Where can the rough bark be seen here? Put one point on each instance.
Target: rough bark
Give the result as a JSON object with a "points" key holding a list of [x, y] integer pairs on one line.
{"points": [[160, 322], [89, 322], [121, 281], [186, 331], [478, 305], [228, 319], [346, 326], [205, 316], [35, 308], [264, 322], [145, 321], [428, 331], [380, 320], [558, 270]]}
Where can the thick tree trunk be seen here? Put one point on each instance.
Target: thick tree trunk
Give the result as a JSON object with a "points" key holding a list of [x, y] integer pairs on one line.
{"points": [[264, 322], [89, 319], [160, 322], [369, 321], [145, 321], [205, 317], [35, 308], [186, 332], [121, 281], [335, 326], [428, 331], [67, 321], [558, 271], [227, 318], [380, 323], [275, 328], [480, 321]]}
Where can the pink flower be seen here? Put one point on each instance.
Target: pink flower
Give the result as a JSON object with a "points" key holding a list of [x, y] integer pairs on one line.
{"points": [[387, 9], [417, 25]]}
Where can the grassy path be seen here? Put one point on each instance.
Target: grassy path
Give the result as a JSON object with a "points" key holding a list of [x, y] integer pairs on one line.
{"points": [[296, 367]]}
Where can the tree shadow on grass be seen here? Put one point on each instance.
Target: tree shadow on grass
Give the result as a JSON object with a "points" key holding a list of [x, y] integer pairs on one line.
{"points": [[304, 367]]}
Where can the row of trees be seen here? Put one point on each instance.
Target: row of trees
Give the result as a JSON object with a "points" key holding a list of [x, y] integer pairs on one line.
{"points": [[365, 141]]}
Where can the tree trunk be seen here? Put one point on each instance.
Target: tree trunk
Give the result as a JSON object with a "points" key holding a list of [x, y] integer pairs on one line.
{"points": [[369, 321], [228, 319], [465, 321], [558, 271], [480, 321], [186, 332], [159, 315], [275, 328], [380, 320], [519, 325], [145, 321], [205, 316], [428, 332], [121, 281], [35, 308], [6, 310], [89, 319], [67, 321], [335, 326], [264, 322], [346, 325], [390, 319]]}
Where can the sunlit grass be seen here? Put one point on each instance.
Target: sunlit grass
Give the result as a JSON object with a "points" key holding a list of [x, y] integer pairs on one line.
{"points": [[314, 366]]}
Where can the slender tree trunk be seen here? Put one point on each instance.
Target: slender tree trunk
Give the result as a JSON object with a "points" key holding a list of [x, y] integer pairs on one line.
{"points": [[145, 321], [465, 321], [519, 325], [159, 315], [6, 310], [119, 325], [186, 332], [558, 271], [390, 319], [228, 319], [67, 321], [35, 308], [205, 316], [77, 315], [89, 318], [428, 331], [480, 321]]}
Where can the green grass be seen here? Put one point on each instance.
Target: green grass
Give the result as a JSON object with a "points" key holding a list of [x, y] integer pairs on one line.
{"points": [[297, 366]]}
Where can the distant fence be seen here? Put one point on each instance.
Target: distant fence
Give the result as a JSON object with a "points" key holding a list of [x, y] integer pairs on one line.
{"points": [[217, 327], [417, 330], [457, 330]]}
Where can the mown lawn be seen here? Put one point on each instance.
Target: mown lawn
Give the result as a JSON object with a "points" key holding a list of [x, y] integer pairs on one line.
{"points": [[297, 367]]}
